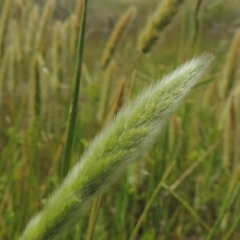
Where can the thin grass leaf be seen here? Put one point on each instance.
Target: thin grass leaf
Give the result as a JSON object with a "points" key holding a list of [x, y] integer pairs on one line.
{"points": [[187, 206], [74, 104]]}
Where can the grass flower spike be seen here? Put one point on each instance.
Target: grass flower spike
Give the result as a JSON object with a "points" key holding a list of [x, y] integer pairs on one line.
{"points": [[131, 133], [157, 23], [115, 36]]}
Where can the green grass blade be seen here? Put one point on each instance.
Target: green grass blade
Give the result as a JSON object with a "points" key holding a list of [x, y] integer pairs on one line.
{"points": [[74, 102], [154, 195], [232, 228], [187, 206], [225, 206]]}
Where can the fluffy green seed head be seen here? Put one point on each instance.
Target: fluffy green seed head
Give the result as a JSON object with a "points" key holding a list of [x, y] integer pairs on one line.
{"points": [[131, 133]]}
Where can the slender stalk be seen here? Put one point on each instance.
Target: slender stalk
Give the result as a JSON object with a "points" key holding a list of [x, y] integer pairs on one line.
{"points": [[232, 228], [3, 25], [47, 13], [172, 187], [229, 71], [73, 108], [225, 206], [93, 218], [154, 195], [194, 165], [187, 206]]}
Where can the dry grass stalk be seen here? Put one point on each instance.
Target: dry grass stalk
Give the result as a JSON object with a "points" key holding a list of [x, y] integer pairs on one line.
{"points": [[175, 134], [73, 34], [115, 36], [229, 72], [56, 43], [5, 15], [157, 23], [230, 136], [117, 100], [11, 75], [18, 30], [26, 9], [209, 93], [235, 177], [16, 38], [3, 70], [78, 13], [238, 73], [129, 87], [32, 23], [105, 89], [18, 4], [47, 12], [34, 92], [65, 49], [75, 20]]}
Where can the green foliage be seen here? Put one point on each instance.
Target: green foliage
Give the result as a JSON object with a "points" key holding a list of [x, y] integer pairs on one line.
{"points": [[182, 188]]}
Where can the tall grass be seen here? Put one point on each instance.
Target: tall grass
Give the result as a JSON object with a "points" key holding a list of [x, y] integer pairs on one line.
{"points": [[186, 187], [75, 95], [133, 131]]}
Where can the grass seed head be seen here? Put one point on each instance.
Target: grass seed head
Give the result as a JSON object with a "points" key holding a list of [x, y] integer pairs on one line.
{"points": [[115, 36], [157, 23], [125, 139]]}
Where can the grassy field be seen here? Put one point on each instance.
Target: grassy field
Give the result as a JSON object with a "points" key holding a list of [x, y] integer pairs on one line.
{"points": [[188, 185]]}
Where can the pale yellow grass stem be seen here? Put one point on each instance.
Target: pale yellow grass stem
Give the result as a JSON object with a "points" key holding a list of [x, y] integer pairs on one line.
{"points": [[230, 68]]}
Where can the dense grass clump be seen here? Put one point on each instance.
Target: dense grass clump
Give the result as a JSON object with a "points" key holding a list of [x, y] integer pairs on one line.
{"points": [[186, 187]]}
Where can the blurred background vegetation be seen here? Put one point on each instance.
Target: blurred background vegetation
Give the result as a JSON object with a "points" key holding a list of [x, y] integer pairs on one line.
{"points": [[201, 143]]}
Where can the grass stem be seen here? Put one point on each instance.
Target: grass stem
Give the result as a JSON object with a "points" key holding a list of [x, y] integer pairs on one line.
{"points": [[74, 104]]}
